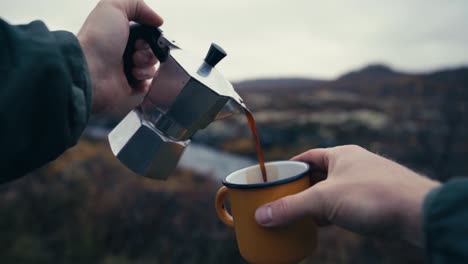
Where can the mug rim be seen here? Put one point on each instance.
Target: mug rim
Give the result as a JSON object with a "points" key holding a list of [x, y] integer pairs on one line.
{"points": [[267, 184]]}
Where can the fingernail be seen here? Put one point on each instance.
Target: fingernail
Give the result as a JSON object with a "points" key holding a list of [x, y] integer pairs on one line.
{"points": [[263, 215]]}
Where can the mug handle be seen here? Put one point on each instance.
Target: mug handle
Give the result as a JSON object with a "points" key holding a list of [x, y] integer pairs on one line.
{"points": [[223, 214], [316, 174]]}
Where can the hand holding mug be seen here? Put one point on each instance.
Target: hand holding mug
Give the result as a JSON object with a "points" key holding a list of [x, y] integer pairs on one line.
{"points": [[364, 192]]}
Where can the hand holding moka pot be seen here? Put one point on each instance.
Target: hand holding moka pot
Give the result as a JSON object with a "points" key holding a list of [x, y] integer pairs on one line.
{"points": [[186, 96]]}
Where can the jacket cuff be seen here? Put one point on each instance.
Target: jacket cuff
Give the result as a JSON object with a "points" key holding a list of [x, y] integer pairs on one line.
{"points": [[82, 88], [445, 222]]}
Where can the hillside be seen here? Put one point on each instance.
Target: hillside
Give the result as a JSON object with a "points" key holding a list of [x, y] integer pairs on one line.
{"points": [[85, 207]]}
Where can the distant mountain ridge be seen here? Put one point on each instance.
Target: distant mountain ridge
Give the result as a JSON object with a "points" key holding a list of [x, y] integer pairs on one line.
{"points": [[372, 77], [372, 71], [276, 83]]}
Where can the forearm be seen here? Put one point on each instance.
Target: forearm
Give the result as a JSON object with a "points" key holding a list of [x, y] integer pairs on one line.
{"points": [[45, 96]]}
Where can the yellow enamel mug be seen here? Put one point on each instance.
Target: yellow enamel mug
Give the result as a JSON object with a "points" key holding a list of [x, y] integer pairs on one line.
{"points": [[247, 192]]}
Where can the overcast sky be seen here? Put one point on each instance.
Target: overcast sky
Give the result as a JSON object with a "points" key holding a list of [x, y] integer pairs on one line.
{"points": [[296, 38]]}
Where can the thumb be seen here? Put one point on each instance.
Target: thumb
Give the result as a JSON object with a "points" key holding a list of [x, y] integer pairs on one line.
{"points": [[140, 12], [292, 207]]}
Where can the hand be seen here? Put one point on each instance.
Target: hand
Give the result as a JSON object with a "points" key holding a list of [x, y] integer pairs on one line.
{"points": [[103, 38], [364, 193]]}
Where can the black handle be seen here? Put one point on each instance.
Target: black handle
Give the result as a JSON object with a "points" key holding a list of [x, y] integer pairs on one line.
{"points": [[151, 36]]}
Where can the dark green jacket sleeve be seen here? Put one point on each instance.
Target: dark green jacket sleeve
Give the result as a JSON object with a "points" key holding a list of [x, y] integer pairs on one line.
{"points": [[446, 223], [45, 96]]}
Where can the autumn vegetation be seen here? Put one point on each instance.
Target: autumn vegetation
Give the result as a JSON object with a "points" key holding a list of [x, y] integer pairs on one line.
{"points": [[85, 207]]}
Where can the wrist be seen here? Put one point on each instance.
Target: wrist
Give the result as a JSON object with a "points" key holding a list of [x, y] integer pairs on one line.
{"points": [[95, 73], [412, 214]]}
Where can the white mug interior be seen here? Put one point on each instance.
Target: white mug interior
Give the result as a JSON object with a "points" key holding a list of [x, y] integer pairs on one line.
{"points": [[276, 171]]}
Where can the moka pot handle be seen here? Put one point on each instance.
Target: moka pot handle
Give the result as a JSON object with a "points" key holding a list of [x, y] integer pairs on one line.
{"points": [[151, 35]]}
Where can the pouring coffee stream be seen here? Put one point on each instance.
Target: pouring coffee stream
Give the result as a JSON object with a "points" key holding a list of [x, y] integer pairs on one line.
{"points": [[258, 146], [186, 96]]}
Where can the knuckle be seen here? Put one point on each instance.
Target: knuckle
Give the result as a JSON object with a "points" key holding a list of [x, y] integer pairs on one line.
{"points": [[309, 152], [347, 149], [353, 148], [281, 209]]}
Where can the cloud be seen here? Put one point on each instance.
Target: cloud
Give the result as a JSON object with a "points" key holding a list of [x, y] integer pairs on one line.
{"points": [[305, 38]]}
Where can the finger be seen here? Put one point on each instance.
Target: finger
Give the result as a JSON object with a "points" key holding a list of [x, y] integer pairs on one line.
{"points": [[144, 58], [293, 207], [318, 156], [141, 45], [141, 74], [140, 12], [141, 87]]}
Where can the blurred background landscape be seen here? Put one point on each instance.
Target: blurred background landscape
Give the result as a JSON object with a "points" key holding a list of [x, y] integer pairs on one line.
{"points": [[389, 76], [86, 208]]}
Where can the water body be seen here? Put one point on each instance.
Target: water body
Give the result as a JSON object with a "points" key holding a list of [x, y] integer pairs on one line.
{"points": [[213, 162]]}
